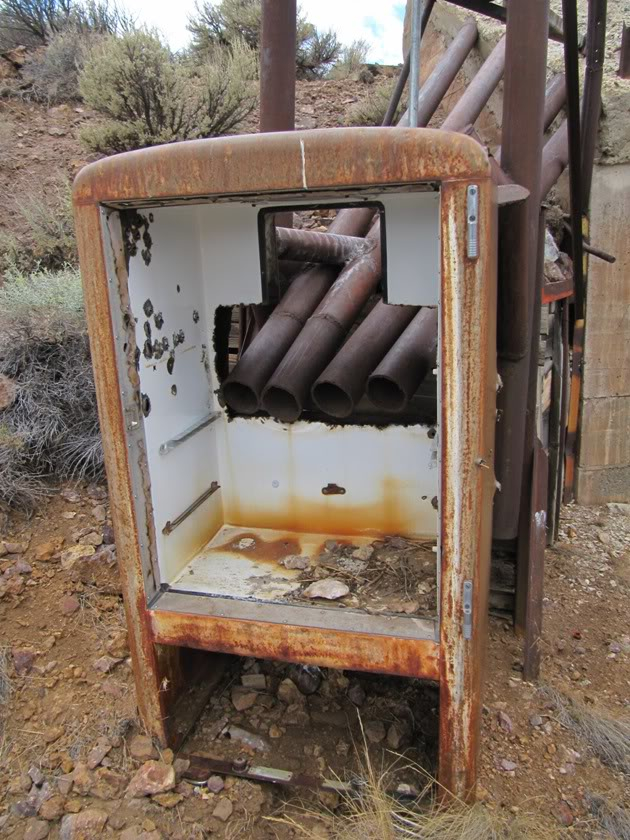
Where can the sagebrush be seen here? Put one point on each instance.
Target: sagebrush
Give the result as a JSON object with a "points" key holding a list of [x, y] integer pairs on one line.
{"points": [[225, 23], [372, 108], [147, 95], [50, 429], [351, 60], [53, 72]]}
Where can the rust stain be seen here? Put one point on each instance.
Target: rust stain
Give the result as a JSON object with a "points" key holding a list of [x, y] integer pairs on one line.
{"points": [[263, 551]]}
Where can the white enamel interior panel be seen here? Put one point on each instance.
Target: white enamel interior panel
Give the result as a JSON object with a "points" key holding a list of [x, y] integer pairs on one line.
{"points": [[412, 222]]}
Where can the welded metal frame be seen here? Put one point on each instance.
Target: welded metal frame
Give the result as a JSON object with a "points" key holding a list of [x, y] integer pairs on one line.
{"points": [[174, 638]]}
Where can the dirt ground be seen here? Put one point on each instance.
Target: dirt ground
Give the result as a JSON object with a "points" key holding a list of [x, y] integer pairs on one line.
{"points": [[69, 740]]}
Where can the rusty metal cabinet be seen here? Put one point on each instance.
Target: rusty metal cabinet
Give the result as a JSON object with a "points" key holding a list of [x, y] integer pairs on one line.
{"points": [[167, 236]]}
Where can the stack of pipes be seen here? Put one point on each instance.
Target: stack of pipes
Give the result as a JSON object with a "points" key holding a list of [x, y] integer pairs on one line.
{"points": [[302, 354]]}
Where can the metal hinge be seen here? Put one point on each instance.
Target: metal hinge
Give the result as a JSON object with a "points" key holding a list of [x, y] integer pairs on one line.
{"points": [[468, 608], [472, 221]]}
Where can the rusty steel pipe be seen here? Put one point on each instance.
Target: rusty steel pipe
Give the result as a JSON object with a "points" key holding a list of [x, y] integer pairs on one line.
{"points": [[555, 159], [287, 391], [243, 387], [277, 65], [397, 378], [435, 86], [555, 97], [342, 384], [521, 157], [478, 91], [313, 246]]}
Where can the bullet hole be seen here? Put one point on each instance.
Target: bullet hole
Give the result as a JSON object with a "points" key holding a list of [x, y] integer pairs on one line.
{"points": [[145, 404], [147, 329], [431, 433], [151, 217], [148, 308], [158, 350], [424, 498], [195, 316], [159, 320], [136, 228], [136, 358], [174, 390], [147, 350], [126, 320], [171, 362], [333, 490], [178, 288], [434, 502], [178, 338], [125, 345], [165, 344]]}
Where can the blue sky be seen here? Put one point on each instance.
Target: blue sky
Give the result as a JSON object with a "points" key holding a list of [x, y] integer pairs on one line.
{"points": [[379, 22]]}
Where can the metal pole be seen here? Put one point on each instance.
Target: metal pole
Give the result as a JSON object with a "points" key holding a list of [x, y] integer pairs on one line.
{"points": [[624, 53], [277, 65], [592, 96], [414, 51], [478, 92]]}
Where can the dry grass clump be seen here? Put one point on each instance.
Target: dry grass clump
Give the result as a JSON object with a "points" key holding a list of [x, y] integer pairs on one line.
{"points": [[372, 108], [614, 821], [373, 812], [53, 73], [50, 429], [608, 738]]}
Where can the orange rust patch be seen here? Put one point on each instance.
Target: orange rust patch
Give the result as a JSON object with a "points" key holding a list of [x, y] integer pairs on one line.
{"points": [[263, 551]]}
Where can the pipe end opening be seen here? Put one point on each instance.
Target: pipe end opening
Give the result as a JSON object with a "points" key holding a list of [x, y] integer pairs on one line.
{"points": [[332, 400], [386, 394], [281, 404], [240, 398]]}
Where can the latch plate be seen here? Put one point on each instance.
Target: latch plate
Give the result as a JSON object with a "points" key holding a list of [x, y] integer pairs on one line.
{"points": [[468, 608], [472, 221]]}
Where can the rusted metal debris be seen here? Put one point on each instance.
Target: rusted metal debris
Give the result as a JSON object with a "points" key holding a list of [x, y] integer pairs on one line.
{"points": [[312, 246]]}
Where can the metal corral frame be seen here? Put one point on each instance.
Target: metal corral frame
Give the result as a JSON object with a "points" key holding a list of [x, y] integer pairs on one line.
{"points": [[171, 636]]}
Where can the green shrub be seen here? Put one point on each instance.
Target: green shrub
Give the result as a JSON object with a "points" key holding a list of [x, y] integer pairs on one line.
{"points": [[33, 22], [372, 108], [53, 72], [351, 60], [229, 21], [150, 96], [48, 239], [50, 429]]}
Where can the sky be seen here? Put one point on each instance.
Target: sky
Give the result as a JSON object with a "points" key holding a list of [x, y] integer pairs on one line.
{"points": [[379, 22]]}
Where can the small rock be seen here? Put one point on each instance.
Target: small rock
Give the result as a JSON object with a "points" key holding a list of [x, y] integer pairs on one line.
{"points": [[254, 682], [141, 748], [620, 508], [294, 561], [307, 678], [15, 548], [37, 777], [215, 784], [92, 538], [356, 694], [223, 809], [86, 824], [76, 552], [288, 692], [505, 722], [52, 809], [246, 544], [180, 766], [552, 749], [167, 800], [69, 604], [536, 721], [99, 513], [153, 777], [364, 553], [23, 568], [243, 698], [108, 535], [64, 783], [82, 779], [167, 756], [23, 659], [45, 551], [108, 784], [399, 735], [118, 645], [105, 664], [275, 731], [36, 830], [254, 742], [507, 765], [98, 753], [374, 731], [328, 588], [563, 814]]}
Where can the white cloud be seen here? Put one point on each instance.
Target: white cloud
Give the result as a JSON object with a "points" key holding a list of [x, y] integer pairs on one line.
{"points": [[379, 22]]}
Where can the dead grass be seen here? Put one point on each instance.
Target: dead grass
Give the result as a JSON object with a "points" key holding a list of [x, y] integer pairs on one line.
{"points": [[608, 738], [373, 812], [6, 689], [614, 821]]}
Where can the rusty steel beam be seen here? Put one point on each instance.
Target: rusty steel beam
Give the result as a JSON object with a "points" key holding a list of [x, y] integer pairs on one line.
{"points": [[313, 246], [592, 95], [555, 97], [397, 93], [400, 374], [555, 158], [286, 394], [339, 388], [277, 65], [522, 140], [491, 10], [478, 91]]}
